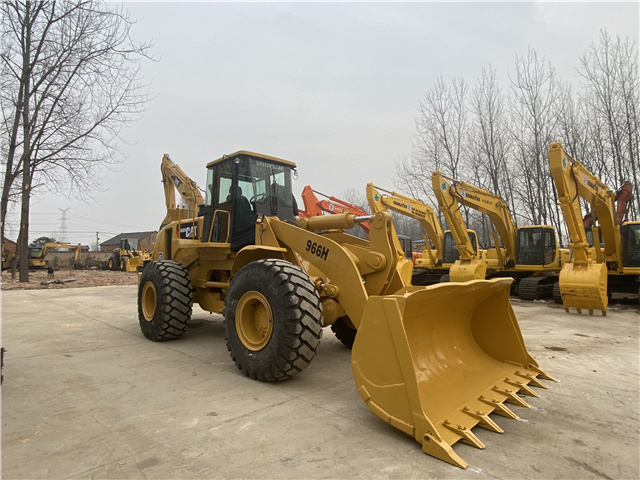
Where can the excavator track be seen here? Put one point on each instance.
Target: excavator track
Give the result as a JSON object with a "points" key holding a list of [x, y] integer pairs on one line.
{"points": [[536, 287]]}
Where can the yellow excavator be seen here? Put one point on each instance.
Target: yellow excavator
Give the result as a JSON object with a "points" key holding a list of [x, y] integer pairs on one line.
{"points": [[529, 254], [431, 361], [433, 263], [596, 270], [37, 255], [174, 178]]}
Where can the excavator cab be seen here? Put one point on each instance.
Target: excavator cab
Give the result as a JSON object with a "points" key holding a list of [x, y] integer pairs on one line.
{"points": [[536, 245], [451, 253], [630, 233], [241, 186]]}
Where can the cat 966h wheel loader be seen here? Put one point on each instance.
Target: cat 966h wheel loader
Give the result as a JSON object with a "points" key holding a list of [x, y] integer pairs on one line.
{"points": [[423, 360]]}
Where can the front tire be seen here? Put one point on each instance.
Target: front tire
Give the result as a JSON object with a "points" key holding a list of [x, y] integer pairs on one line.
{"points": [[273, 320], [164, 300]]}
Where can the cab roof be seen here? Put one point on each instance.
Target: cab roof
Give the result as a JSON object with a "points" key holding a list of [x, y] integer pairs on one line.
{"points": [[255, 155]]}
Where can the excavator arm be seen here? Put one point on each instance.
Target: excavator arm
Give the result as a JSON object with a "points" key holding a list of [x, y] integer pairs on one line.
{"points": [[173, 178], [313, 206], [469, 266], [411, 208], [458, 193], [583, 282]]}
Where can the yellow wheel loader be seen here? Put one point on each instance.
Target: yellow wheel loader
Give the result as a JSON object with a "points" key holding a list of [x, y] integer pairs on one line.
{"points": [[127, 259], [431, 361]]}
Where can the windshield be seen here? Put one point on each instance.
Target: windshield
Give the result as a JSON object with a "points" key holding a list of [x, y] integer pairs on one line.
{"points": [[265, 185]]}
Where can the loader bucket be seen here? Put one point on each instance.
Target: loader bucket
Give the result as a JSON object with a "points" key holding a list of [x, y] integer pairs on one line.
{"points": [[584, 286], [435, 361]]}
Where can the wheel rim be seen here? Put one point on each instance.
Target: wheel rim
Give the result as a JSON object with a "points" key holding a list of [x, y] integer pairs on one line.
{"points": [[148, 301], [254, 321], [110, 264]]}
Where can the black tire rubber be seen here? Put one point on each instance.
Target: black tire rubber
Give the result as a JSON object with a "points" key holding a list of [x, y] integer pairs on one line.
{"points": [[557, 298], [112, 262], [344, 331], [171, 312], [123, 264], [296, 320]]}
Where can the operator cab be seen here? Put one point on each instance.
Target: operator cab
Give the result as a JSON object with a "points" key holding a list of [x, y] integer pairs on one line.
{"points": [[536, 246], [451, 253], [241, 186], [630, 233]]}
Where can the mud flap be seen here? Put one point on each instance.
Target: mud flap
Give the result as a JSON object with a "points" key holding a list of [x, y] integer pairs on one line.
{"points": [[584, 286], [435, 361]]}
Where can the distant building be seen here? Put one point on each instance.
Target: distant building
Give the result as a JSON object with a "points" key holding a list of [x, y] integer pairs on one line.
{"points": [[8, 245], [137, 241]]}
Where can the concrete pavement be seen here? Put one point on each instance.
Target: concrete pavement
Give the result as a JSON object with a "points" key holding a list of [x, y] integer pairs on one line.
{"points": [[85, 395]]}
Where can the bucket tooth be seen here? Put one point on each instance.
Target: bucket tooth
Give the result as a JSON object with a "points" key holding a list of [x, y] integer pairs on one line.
{"points": [[541, 372], [440, 449], [483, 420], [511, 396], [526, 390], [532, 379], [467, 435], [499, 407]]}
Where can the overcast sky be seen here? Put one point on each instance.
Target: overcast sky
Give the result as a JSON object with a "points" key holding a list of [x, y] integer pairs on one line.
{"points": [[333, 87]]}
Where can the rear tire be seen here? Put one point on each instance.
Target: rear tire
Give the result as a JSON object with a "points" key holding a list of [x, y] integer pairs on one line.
{"points": [[164, 300], [111, 264], [273, 320], [344, 331]]}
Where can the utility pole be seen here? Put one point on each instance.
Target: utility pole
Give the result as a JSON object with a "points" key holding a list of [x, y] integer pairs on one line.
{"points": [[97, 244], [63, 225]]}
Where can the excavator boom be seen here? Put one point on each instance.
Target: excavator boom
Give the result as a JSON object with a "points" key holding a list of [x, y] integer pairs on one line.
{"points": [[173, 178], [415, 209], [313, 206], [469, 266]]}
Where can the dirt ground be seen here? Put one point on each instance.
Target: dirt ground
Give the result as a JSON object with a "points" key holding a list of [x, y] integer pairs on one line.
{"points": [[40, 279]]}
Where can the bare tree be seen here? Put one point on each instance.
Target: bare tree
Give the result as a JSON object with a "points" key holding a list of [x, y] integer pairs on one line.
{"points": [[71, 81], [440, 139], [609, 71], [533, 112]]}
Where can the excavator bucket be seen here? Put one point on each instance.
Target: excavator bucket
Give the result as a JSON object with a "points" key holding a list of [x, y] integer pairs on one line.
{"points": [[435, 361], [584, 286], [463, 271]]}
